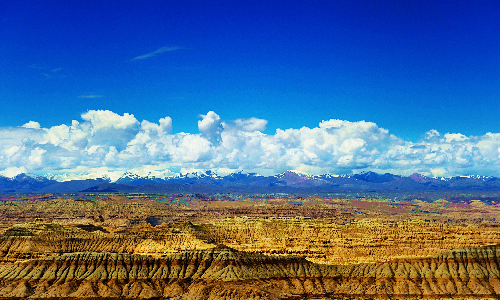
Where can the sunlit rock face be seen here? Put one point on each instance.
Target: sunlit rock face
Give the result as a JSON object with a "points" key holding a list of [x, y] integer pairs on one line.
{"points": [[223, 273], [201, 247]]}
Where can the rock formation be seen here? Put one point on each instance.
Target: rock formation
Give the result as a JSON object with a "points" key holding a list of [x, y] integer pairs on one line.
{"points": [[224, 273], [125, 249]]}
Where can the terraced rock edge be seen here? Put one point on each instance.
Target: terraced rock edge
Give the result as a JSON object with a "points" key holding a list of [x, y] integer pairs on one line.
{"points": [[224, 273]]}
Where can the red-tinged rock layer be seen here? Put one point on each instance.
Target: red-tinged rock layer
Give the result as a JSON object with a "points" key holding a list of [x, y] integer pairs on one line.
{"points": [[223, 273]]}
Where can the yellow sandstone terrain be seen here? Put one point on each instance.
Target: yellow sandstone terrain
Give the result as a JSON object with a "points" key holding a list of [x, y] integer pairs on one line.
{"points": [[362, 241], [325, 249], [223, 273]]}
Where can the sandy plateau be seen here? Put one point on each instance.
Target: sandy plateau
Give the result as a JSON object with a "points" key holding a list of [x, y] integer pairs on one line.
{"points": [[207, 247]]}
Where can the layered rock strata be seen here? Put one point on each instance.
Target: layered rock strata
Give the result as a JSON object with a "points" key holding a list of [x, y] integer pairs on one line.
{"points": [[317, 241], [224, 273], [364, 241]]}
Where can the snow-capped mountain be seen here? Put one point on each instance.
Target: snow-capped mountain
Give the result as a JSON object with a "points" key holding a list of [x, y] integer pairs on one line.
{"points": [[24, 183], [210, 181]]}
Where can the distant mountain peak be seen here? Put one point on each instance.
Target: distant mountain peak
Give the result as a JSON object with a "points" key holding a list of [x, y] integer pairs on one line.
{"points": [[420, 178], [375, 177], [290, 180], [28, 176], [292, 173]]}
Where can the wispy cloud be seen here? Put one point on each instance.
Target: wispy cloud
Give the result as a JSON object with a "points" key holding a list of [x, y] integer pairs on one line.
{"points": [[156, 52], [49, 73], [36, 67], [90, 96]]}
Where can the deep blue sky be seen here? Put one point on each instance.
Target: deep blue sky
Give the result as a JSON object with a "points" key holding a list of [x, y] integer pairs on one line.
{"points": [[408, 66]]}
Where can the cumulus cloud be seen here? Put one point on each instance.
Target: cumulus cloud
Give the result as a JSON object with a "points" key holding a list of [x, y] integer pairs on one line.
{"points": [[106, 143], [211, 127], [32, 124], [432, 133], [16, 145], [105, 119], [12, 171], [164, 127], [191, 148], [450, 137], [251, 124], [110, 129], [57, 134]]}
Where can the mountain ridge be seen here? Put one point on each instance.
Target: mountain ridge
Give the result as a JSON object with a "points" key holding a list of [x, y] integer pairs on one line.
{"points": [[287, 181]]}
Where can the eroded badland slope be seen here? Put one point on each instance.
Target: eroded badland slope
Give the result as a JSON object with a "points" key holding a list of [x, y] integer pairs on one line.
{"points": [[221, 273], [108, 249]]}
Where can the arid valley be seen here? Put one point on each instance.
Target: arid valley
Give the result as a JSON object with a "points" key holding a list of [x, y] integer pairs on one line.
{"points": [[248, 246]]}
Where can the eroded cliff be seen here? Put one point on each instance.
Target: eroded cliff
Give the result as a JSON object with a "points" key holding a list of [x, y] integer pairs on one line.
{"points": [[224, 273], [121, 248]]}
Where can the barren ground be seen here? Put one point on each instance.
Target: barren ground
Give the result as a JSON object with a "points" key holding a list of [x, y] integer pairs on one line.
{"points": [[316, 231]]}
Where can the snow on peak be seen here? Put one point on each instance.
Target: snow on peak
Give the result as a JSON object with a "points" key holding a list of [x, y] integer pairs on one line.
{"points": [[295, 172]]}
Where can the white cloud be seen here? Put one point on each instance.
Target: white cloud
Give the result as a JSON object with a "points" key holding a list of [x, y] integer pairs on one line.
{"points": [[251, 124], [104, 119], [22, 136], [164, 127], [432, 133], [111, 156], [13, 171], [111, 129], [156, 52], [36, 156], [345, 161], [104, 140], [333, 123], [191, 148], [439, 172], [352, 145], [449, 137], [83, 173], [211, 127], [152, 170], [57, 134], [32, 124]]}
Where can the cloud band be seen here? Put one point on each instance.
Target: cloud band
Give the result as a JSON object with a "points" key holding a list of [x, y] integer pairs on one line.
{"points": [[108, 141]]}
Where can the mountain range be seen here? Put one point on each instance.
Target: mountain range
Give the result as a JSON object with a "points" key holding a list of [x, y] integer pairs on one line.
{"points": [[286, 182]]}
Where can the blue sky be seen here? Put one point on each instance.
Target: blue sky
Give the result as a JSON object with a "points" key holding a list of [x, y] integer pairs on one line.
{"points": [[407, 66]]}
